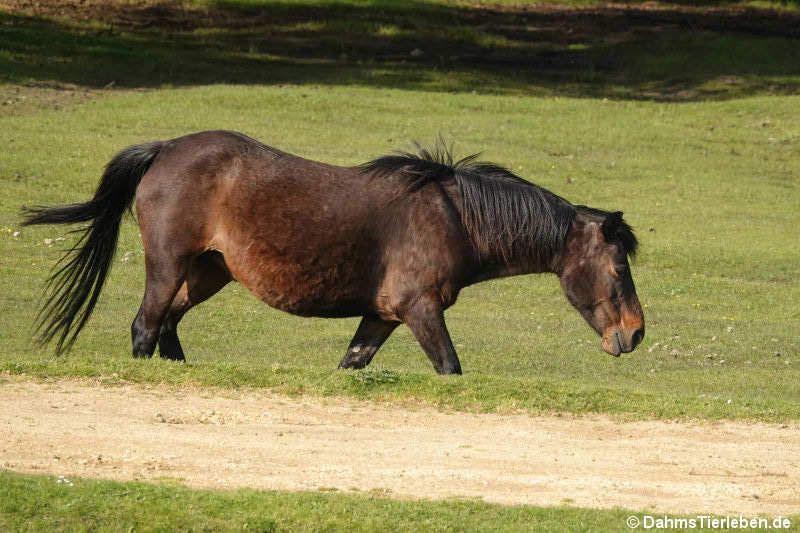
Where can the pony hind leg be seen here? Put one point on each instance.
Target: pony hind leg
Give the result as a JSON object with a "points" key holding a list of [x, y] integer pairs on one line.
{"points": [[370, 335], [164, 276], [206, 276]]}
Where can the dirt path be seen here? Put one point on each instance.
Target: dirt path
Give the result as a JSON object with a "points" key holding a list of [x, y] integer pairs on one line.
{"points": [[215, 439]]}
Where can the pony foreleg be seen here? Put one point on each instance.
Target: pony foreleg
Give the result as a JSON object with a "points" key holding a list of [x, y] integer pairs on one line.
{"points": [[426, 322], [370, 335]]}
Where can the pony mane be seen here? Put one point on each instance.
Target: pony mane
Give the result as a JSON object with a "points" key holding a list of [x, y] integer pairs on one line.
{"points": [[504, 215]]}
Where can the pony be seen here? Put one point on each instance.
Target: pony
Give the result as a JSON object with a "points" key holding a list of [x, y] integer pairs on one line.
{"points": [[392, 241]]}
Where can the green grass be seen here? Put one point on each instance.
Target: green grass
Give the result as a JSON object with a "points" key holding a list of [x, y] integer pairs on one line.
{"points": [[46, 503], [578, 103], [568, 99], [666, 53], [711, 187]]}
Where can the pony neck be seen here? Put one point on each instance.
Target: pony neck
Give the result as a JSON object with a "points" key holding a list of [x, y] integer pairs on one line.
{"points": [[498, 267]]}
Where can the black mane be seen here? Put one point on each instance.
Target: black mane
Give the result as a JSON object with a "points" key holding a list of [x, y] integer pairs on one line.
{"points": [[505, 215]]}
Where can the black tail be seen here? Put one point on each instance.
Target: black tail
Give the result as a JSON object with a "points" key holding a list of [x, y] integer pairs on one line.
{"points": [[74, 288]]}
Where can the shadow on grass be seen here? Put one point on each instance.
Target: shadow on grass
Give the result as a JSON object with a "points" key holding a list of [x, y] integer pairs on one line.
{"points": [[666, 52]]}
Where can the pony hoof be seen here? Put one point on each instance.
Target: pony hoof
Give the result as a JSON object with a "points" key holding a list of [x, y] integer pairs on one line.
{"points": [[353, 365], [178, 358]]}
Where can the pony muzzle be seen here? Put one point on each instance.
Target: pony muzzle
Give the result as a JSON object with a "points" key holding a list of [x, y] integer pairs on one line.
{"points": [[617, 340]]}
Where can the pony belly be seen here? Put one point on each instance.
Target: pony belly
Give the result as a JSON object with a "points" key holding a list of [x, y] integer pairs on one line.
{"points": [[304, 297], [306, 289]]}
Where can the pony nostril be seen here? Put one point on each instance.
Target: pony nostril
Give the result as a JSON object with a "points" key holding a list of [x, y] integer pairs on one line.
{"points": [[636, 338]]}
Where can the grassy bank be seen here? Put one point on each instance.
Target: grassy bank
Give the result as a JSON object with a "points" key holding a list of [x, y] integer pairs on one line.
{"points": [[711, 188], [679, 51], [47, 503]]}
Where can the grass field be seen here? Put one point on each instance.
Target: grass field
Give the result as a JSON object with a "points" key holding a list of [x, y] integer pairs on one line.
{"points": [[673, 51], [682, 114], [31, 503], [710, 187], [45, 503]]}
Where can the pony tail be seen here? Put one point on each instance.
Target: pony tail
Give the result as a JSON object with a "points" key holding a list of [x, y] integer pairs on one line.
{"points": [[74, 288]]}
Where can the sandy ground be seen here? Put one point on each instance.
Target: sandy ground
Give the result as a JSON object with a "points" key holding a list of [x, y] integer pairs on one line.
{"points": [[218, 439]]}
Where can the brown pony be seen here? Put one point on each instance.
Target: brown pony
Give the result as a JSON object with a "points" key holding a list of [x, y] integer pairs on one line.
{"points": [[393, 240]]}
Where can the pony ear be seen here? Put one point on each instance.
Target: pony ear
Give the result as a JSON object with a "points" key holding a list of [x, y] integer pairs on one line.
{"points": [[611, 224]]}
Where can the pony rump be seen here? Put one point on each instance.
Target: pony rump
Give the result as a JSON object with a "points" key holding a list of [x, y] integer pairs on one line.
{"points": [[505, 216]]}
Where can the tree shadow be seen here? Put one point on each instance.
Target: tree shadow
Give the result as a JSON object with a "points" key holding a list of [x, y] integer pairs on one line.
{"points": [[632, 51]]}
